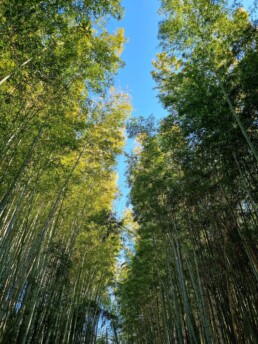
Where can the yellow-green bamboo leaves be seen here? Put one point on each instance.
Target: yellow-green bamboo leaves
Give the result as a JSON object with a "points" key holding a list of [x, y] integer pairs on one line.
{"points": [[62, 127], [193, 276]]}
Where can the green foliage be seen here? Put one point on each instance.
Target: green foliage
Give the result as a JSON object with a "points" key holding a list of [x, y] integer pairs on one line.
{"points": [[62, 127], [192, 278]]}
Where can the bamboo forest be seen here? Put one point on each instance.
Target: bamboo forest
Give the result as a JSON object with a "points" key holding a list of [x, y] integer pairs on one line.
{"points": [[179, 264]]}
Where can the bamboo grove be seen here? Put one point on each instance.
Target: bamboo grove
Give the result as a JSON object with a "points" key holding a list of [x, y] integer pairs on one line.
{"points": [[193, 275], [61, 129], [190, 275]]}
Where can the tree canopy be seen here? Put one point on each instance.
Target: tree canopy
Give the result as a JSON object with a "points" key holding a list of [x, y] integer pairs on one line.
{"points": [[180, 266], [193, 276]]}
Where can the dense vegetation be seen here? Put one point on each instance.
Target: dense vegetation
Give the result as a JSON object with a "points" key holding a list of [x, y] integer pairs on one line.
{"points": [[191, 274], [61, 130], [193, 277]]}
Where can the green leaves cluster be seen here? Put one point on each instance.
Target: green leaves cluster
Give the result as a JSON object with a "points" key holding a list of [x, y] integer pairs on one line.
{"points": [[62, 127], [194, 185]]}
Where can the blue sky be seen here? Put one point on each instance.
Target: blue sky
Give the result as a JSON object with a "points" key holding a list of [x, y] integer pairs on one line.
{"points": [[141, 29]]}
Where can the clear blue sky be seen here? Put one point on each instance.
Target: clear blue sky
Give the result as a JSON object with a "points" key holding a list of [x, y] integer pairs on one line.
{"points": [[141, 29]]}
